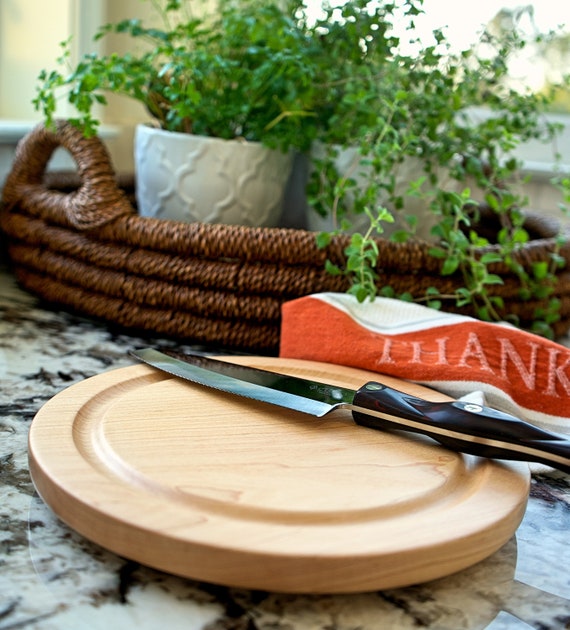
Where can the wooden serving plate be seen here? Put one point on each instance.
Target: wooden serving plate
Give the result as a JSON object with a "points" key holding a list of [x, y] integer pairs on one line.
{"points": [[219, 488]]}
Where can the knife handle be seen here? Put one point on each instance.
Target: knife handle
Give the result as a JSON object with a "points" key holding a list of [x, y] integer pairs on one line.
{"points": [[462, 426]]}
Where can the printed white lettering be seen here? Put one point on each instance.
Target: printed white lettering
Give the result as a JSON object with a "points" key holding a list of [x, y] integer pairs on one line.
{"points": [[386, 357], [442, 351], [419, 352], [557, 373], [508, 351], [474, 349]]}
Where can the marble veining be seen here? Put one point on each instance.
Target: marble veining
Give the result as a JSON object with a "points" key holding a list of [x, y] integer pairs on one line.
{"points": [[51, 578]]}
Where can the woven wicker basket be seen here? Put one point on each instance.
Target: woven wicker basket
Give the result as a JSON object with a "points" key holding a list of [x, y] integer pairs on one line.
{"points": [[77, 241]]}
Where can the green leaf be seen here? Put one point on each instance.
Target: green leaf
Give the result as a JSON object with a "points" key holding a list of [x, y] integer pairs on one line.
{"points": [[400, 236], [353, 263], [333, 269], [450, 265], [360, 292], [323, 239], [491, 257], [540, 270], [520, 236], [493, 278], [463, 301], [483, 313], [406, 296], [497, 301], [437, 252]]}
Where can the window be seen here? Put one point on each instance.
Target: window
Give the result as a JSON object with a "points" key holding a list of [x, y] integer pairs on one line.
{"points": [[464, 24], [536, 67]]}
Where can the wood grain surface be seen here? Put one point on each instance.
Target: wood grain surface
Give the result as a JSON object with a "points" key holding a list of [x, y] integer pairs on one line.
{"points": [[219, 488]]}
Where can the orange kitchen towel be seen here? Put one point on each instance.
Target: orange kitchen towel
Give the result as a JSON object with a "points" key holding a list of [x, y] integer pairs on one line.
{"points": [[518, 372]]}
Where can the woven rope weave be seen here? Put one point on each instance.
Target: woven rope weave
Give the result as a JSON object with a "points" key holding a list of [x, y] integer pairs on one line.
{"points": [[76, 241]]}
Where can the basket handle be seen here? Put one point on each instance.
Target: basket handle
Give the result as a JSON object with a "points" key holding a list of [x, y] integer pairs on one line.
{"points": [[97, 201]]}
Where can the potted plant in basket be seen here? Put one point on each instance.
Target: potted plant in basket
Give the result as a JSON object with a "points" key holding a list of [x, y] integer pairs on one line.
{"points": [[266, 72], [231, 96], [405, 157]]}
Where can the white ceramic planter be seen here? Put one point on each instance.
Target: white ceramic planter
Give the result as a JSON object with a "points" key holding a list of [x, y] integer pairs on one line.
{"points": [[197, 178]]}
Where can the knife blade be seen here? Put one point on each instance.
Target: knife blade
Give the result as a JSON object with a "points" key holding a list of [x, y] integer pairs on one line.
{"points": [[459, 425]]}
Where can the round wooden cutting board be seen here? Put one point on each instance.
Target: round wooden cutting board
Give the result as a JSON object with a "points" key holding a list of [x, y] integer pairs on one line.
{"points": [[219, 488]]}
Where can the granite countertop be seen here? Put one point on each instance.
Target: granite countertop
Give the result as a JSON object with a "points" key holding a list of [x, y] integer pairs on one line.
{"points": [[51, 578]]}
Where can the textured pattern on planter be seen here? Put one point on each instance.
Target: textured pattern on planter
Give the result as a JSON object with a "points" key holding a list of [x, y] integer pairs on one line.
{"points": [[196, 178]]}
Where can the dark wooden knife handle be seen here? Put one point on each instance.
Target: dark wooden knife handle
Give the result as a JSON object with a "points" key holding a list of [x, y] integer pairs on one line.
{"points": [[462, 426]]}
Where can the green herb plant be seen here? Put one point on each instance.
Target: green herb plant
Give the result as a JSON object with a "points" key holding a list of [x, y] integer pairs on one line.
{"points": [[394, 106], [244, 71]]}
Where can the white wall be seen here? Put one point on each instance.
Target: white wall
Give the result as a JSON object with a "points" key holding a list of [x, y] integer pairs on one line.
{"points": [[27, 38], [30, 35]]}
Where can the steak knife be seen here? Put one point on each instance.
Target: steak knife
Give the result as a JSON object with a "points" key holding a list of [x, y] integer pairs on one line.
{"points": [[459, 425]]}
